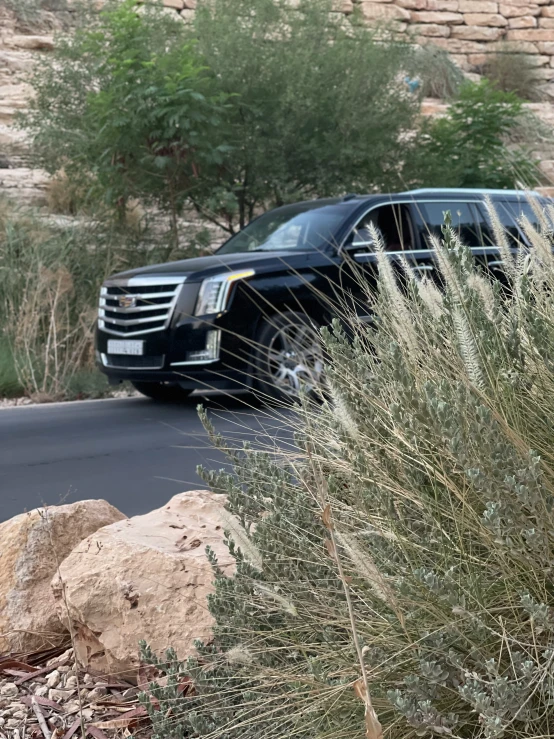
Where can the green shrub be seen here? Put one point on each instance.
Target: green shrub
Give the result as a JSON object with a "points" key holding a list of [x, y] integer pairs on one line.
{"points": [[513, 71], [317, 108], [126, 109], [9, 381], [399, 561], [469, 146]]}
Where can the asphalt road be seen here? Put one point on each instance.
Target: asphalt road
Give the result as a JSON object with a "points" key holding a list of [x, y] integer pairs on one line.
{"points": [[132, 452]]}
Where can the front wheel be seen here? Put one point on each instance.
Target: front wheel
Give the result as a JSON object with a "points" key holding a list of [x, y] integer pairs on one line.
{"points": [[163, 392], [288, 358]]}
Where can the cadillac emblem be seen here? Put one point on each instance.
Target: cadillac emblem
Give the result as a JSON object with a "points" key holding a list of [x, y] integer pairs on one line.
{"points": [[127, 301]]}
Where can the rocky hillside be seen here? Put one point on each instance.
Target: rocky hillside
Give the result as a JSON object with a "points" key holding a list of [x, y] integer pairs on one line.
{"points": [[23, 42]]}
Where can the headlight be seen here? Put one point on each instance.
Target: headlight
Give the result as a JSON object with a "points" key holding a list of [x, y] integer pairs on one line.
{"points": [[214, 292]]}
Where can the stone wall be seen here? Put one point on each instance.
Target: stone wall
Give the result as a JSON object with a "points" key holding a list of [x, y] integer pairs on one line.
{"points": [[468, 29]]}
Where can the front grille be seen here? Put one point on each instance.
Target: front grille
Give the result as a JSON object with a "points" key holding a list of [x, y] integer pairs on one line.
{"points": [[130, 362], [140, 305]]}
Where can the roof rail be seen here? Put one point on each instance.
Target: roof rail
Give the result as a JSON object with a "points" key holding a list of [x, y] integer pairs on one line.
{"points": [[476, 190]]}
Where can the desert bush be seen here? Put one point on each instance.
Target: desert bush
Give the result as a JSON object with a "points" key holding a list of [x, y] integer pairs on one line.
{"points": [[440, 77], [394, 568], [50, 276], [470, 146], [512, 71]]}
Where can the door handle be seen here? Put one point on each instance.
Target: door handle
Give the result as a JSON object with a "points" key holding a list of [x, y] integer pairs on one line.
{"points": [[424, 267]]}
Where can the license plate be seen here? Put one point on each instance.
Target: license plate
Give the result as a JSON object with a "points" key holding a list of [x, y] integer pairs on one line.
{"points": [[136, 348]]}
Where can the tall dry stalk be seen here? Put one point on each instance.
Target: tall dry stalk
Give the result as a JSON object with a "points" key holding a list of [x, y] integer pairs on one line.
{"points": [[50, 346]]}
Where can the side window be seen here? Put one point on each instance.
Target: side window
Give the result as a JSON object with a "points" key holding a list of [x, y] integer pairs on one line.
{"points": [[509, 212], [465, 222], [394, 224]]}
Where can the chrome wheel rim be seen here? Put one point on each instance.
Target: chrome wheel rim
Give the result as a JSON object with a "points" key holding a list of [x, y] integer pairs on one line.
{"points": [[295, 360]]}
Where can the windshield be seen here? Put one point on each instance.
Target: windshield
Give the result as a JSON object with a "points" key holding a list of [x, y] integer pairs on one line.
{"points": [[294, 227]]}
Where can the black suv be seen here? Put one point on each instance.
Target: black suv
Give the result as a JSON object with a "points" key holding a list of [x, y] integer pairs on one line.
{"points": [[247, 316]]}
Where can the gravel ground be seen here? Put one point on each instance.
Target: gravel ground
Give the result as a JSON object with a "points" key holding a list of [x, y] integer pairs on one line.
{"points": [[53, 699]]}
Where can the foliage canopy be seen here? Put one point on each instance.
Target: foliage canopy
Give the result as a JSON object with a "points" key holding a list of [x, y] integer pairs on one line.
{"points": [[468, 147]]}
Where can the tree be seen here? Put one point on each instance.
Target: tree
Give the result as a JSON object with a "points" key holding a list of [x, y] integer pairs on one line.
{"points": [[254, 105], [320, 108], [126, 105]]}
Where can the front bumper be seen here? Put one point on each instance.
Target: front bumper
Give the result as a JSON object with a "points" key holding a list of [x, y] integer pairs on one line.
{"points": [[179, 354]]}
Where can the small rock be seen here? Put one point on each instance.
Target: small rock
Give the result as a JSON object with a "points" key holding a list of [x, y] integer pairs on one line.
{"points": [[67, 656], [53, 679], [96, 694], [42, 691], [12, 723], [83, 695], [88, 679], [9, 690], [60, 695], [88, 713], [17, 707], [71, 682]]}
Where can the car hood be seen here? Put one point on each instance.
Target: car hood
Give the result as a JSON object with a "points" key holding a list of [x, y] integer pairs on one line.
{"points": [[199, 267]]}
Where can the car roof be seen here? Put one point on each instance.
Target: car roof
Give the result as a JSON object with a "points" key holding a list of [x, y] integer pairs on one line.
{"points": [[351, 202]]}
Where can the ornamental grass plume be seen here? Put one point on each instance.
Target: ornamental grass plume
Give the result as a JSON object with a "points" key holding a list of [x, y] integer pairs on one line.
{"points": [[404, 581]]}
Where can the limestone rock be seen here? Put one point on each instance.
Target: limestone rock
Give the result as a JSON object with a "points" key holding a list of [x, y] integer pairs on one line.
{"points": [[513, 11], [451, 5], [523, 21], [31, 545], [430, 29], [485, 19], [477, 33], [531, 34], [384, 11], [436, 17], [412, 4], [147, 577], [36, 43], [477, 6]]}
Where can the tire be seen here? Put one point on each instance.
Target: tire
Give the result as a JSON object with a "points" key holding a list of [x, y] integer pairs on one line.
{"points": [[162, 392], [288, 358]]}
